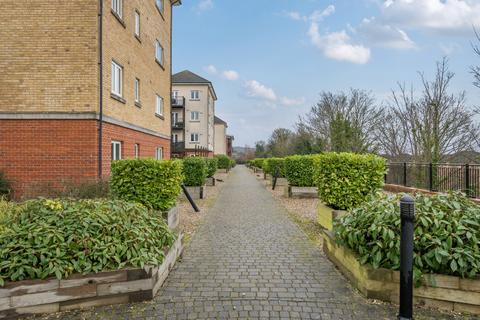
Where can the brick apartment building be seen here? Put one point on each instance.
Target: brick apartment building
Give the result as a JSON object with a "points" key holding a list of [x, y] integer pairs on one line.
{"points": [[82, 82]]}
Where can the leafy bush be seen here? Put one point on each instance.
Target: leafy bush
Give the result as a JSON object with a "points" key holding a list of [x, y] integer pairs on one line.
{"points": [[345, 180], [447, 234], [195, 171], [299, 170], [60, 237], [153, 183], [274, 165], [8, 210], [4, 185], [212, 166], [233, 163], [223, 161], [258, 163]]}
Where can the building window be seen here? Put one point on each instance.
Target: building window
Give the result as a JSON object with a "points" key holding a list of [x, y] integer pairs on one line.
{"points": [[137, 24], [136, 150], [194, 115], [175, 94], [159, 106], [174, 118], [159, 153], [195, 95], [159, 52], [194, 137], [136, 89], [117, 78], [117, 7], [116, 150], [175, 138], [160, 5]]}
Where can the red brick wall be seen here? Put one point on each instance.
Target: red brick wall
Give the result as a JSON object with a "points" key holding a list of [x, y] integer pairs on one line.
{"points": [[52, 151]]}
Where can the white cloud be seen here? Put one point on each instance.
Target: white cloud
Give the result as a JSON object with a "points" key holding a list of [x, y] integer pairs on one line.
{"points": [[384, 35], [315, 16], [294, 15], [205, 5], [338, 46], [456, 16], [230, 75], [211, 69], [288, 102], [257, 90]]}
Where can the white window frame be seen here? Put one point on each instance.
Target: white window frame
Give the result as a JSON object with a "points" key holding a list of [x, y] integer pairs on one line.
{"points": [[194, 116], [159, 52], [175, 117], [175, 137], [137, 23], [194, 137], [114, 154], [117, 7], [159, 153], [136, 150], [175, 94], [117, 79], [195, 95], [136, 90], [159, 105]]}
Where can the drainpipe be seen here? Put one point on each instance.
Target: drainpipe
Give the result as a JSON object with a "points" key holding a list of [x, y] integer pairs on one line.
{"points": [[100, 65], [170, 75]]}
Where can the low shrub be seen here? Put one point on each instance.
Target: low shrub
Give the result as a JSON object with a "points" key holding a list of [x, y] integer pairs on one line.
{"points": [[345, 180], [223, 161], [4, 185], [447, 234], [195, 171], [60, 237], [155, 184], [233, 163], [212, 166], [274, 166], [8, 210], [299, 170], [257, 163]]}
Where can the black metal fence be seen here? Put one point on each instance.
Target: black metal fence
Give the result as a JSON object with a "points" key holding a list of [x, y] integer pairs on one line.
{"points": [[436, 177]]}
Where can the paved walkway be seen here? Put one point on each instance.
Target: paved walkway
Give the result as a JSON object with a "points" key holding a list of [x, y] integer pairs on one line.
{"points": [[249, 261]]}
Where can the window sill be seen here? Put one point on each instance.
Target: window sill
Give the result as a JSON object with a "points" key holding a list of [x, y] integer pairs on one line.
{"points": [[119, 19], [138, 104], [160, 64], [159, 116], [194, 120], [194, 99], [118, 98], [138, 38]]}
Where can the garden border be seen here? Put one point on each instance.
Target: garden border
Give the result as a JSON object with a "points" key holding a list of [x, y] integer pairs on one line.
{"points": [[395, 188], [30, 297], [301, 192]]}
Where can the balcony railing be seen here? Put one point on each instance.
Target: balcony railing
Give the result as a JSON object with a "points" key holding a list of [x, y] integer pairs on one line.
{"points": [[178, 146], [178, 125], [178, 102]]}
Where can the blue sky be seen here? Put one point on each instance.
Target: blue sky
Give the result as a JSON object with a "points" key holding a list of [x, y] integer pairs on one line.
{"points": [[269, 59]]}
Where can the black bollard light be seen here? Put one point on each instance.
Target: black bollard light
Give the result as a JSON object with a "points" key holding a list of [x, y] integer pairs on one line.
{"points": [[407, 215]]}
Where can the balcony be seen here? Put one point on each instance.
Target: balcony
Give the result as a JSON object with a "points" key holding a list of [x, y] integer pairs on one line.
{"points": [[178, 102], [178, 147], [178, 125]]}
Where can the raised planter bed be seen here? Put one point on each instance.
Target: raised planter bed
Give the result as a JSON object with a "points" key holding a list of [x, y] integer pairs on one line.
{"points": [[439, 291], [210, 182], [327, 215], [222, 170], [83, 291], [395, 188], [195, 192], [281, 182], [301, 192], [172, 217]]}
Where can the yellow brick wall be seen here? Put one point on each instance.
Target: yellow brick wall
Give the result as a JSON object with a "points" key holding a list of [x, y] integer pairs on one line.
{"points": [[138, 61], [48, 56]]}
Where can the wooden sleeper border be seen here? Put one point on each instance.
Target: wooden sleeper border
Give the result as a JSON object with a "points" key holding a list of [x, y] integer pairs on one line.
{"points": [[30, 297]]}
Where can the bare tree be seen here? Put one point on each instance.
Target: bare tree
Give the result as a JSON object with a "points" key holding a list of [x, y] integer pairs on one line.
{"points": [[437, 123], [344, 121]]}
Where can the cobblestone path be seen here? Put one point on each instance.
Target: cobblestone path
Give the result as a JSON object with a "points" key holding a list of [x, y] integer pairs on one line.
{"points": [[249, 261]]}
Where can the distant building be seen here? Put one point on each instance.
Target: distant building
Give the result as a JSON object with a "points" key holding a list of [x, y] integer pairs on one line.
{"points": [[220, 136], [82, 85], [193, 112], [230, 146]]}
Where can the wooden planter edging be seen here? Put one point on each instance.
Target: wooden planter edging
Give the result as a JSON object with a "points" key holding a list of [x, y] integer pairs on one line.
{"points": [[397, 189], [84, 291], [327, 215], [222, 170], [438, 291], [281, 182], [210, 182], [301, 192], [172, 217]]}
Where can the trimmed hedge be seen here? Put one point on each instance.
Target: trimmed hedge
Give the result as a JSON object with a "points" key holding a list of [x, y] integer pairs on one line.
{"points": [[223, 162], [55, 238], [447, 234], [345, 180], [258, 163], [195, 171], [299, 170], [212, 166], [274, 165], [153, 183]]}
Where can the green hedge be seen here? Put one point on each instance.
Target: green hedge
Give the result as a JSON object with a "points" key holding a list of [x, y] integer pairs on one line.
{"points": [[274, 165], [153, 183], [223, 162], [447, 234], [55, 238], [212, 166], [195, 171], [258, 163], [345, 180], [299, 170]]}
